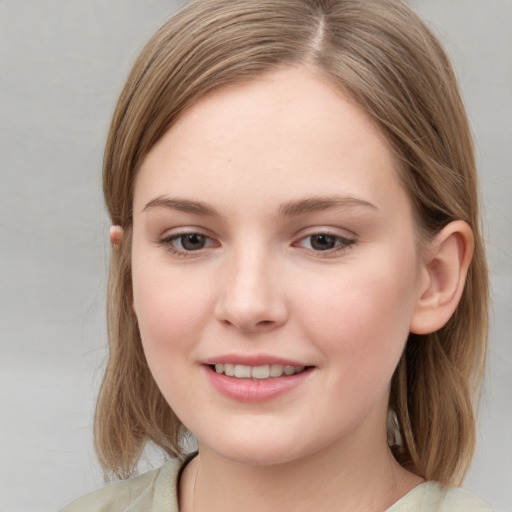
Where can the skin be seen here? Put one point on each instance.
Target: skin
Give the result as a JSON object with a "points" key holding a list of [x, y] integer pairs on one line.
{"points": [[264, 159]]}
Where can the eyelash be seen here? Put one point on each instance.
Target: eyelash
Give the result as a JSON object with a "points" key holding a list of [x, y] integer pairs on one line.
{"points": [[169, 243], [341, 243]]}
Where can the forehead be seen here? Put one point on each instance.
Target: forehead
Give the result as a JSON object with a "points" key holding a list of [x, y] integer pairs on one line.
{"points": [[289, 132]]}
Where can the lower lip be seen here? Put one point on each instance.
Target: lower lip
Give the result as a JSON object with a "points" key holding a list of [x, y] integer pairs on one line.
{"points": [[254, 390]]}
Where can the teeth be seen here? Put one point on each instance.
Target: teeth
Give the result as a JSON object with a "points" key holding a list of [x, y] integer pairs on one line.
{"points": [[276, 370], [260, 372], [241, 371], [289, 370]]}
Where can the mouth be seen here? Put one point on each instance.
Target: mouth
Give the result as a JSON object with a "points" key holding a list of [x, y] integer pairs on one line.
{"points": [[261, 372], [265, 379]]}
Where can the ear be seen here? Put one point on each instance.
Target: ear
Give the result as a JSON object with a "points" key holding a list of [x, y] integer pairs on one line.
{"points": [[116, 236], [445, 268]]}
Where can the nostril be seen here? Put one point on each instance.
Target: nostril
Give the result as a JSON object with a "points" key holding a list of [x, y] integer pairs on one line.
{"points": [[247, 325]]}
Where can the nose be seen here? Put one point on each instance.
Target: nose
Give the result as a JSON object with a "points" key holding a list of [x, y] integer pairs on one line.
{"points": [[252, 295]]}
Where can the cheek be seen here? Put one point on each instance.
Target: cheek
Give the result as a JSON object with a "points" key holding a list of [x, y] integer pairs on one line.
{"points": [[169, 312], [360, 318], [171, 320]]}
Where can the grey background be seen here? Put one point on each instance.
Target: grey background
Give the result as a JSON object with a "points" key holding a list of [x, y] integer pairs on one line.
{"points": [[62, 65]]}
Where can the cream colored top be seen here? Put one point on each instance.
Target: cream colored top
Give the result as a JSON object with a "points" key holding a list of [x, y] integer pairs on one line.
{"points": [[156, 491]]}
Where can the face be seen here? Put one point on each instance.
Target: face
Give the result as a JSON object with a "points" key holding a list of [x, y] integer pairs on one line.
{"points": [[275, 269]]}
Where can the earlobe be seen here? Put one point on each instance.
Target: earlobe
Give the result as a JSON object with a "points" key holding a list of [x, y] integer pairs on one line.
{"points": [[446, 267], [116, 236]]}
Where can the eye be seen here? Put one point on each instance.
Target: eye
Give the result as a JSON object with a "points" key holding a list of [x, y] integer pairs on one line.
{"points": [[191, 241], [184, 243], [324, 242]]}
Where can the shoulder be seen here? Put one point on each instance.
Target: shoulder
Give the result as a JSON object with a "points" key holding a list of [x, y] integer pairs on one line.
{"points": [[434, 497], [457, 499], [154, 490]]}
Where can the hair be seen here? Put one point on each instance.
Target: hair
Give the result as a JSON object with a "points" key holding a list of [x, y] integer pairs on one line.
{"points": [[380, 54]]}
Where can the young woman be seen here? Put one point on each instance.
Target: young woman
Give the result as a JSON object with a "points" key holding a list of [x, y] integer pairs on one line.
{"points": [[298, 276]]}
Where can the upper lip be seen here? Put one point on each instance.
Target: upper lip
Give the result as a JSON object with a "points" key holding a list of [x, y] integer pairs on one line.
{"points": [[252, 360]]}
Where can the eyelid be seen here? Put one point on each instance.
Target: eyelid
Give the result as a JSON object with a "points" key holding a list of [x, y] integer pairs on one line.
{"points": [[326, 230], [343, 240], [168, 238], [184, 230], [347, 241]]}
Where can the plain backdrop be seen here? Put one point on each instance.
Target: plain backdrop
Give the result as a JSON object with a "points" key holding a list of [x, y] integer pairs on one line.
{"points": [[62, 65]]}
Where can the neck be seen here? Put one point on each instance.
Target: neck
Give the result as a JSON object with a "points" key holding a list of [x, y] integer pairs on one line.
{"points": [[336, 478]]}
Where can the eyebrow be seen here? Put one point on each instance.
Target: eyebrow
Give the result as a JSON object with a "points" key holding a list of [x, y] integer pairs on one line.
{"points": [[183, 205], [315, 204], [288, 209]]}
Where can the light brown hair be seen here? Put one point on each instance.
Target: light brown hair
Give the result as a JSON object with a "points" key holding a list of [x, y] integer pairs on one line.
{"points": [[383, 56]]}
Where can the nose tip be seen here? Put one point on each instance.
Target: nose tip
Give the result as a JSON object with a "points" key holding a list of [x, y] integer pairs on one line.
{"points": [[249, 319], [251, 299]]}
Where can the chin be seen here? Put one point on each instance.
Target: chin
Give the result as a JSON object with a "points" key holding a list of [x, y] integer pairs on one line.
{"points": [[273, 450], [260, 459]]}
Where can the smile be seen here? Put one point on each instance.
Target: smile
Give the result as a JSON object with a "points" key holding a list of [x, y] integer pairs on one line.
{"points": [[257, 382], [266, 371]]}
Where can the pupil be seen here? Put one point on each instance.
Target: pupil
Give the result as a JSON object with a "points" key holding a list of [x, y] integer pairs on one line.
{"points": [[323, 242], [193, 242]]}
